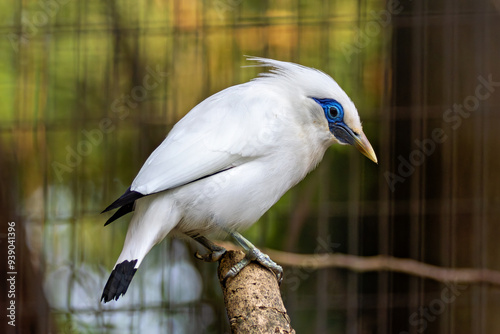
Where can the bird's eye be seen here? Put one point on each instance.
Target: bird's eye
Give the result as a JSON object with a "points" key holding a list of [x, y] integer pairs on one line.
{"points": [[333, 112]]}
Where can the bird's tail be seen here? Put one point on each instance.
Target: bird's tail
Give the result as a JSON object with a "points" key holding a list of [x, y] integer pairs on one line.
{"points": [[147, 227], [119, 280]]}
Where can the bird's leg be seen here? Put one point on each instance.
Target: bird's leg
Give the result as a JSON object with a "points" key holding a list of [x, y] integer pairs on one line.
{"points": [[253, 254], [215, 253]]}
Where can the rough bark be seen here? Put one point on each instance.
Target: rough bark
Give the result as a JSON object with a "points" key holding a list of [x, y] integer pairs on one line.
{"points": [[252, 298]]}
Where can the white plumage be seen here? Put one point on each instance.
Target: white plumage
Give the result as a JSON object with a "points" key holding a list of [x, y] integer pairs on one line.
{"points": [[232, 157]]}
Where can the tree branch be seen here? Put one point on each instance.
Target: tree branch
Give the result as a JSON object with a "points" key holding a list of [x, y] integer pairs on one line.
{"points": [[385, 263], [252, 298], [253, 301], [381, 263]]}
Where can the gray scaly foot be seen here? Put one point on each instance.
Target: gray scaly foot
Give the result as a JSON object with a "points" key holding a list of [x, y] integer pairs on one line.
{"points": [[253, 254]]}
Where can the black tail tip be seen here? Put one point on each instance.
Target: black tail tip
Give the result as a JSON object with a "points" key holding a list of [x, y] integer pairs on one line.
{"points": [[119, 280]]}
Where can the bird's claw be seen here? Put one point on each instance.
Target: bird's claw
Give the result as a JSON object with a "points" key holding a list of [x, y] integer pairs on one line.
{"points": [[212, 256], [256, 255], [266, 261]]}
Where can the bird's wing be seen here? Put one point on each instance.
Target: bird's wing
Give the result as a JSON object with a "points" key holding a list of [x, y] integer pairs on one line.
{"points": [[221, 132], [174, 164]]}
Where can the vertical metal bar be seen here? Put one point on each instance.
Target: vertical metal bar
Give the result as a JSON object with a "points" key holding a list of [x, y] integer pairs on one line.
{"points": [[422, 118], [386, 209], [354, 321], [454, 162], [446, 157], [479, 184], [323, 228], [485, 189], [418, 26]]}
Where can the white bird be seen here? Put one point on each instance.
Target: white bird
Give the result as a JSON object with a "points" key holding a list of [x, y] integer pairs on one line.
{"points": [[232, 157]]}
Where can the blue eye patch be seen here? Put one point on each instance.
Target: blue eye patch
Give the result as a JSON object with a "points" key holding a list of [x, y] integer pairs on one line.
{"points": [[334, 112]]}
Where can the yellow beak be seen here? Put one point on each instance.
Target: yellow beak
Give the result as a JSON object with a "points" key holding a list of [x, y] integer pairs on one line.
{"points": [[364, 146]]}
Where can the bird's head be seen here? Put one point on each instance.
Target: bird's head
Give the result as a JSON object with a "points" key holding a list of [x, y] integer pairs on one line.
{"points": [[344, 124], [324, 98]]}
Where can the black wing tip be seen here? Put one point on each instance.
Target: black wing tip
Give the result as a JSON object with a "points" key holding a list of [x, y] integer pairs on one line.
{"points": [[119, 280], [120, 212], [130, 196]]}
